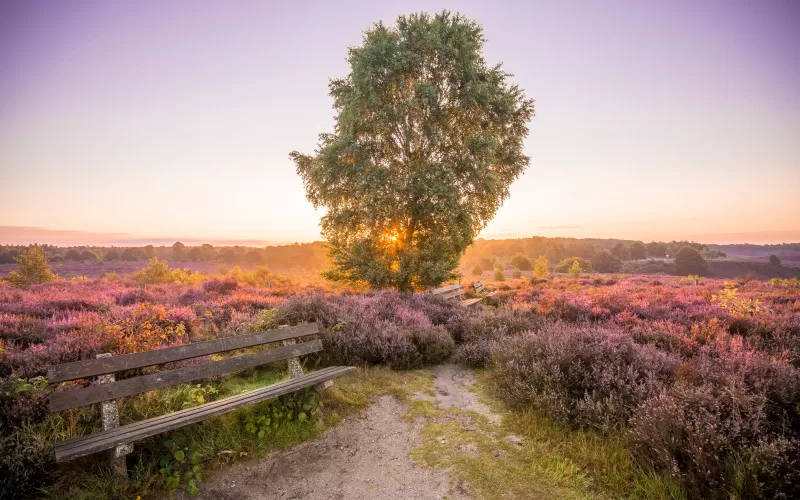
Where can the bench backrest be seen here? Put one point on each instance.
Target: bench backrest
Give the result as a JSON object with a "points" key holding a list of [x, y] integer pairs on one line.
{"points": [[478, 286], [449, 292], [136, 385]]}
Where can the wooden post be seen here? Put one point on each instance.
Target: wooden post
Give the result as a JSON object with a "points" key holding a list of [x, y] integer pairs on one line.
{"points": [[110, 417], [295, 370]]}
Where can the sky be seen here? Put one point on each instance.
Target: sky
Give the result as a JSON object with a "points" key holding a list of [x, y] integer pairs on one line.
{"points": [[164, 120]]}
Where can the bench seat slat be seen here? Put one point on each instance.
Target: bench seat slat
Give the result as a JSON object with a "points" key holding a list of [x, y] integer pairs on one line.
{"points": [[105, 392], [452, 294], [102, 366], [469, 302], [437, 291], [77, 447]]}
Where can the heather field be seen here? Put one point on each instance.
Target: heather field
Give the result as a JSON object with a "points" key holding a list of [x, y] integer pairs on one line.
{"points": [[696, 381]]}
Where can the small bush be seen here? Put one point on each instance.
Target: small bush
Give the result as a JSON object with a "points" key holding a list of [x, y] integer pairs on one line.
{"points": [[541, 267], [32, 268], [158, 272], [221, 286], [774, 260], [586, 376], [565, 265], [477, 270], [521, 262], [689, 261], [498, 274]]}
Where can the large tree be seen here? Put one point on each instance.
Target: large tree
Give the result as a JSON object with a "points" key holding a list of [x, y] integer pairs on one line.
{"points": [[428, 138]]}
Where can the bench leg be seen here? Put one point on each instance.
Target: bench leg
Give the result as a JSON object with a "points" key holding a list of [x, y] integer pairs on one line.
{"points": [[109, 414], [295, 370]]}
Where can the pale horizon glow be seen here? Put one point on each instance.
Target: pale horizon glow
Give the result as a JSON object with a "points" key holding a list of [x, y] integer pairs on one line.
{"points": [[173, 120]]}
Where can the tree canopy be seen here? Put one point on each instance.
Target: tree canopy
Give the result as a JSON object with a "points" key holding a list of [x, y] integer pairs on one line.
{"points": [[428, 138], [689, 261]]}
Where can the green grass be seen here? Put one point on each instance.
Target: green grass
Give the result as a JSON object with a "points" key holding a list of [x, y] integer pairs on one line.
{"points": [[546, 460]]}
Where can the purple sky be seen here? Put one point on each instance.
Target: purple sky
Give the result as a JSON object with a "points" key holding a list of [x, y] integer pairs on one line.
{"points": [[655, 120]]}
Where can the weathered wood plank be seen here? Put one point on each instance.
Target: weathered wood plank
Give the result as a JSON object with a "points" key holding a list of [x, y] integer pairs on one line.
{"points": [[469, 302], [68, 450], [114, 390], [450, 295], [437, 291], [94, 367]]}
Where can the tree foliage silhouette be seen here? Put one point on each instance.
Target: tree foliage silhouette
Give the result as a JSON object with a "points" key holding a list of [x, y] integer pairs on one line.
{"points": [[427, 140]]}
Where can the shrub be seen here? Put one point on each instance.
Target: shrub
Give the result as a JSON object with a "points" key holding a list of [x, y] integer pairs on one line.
{"points": [[585, 376], [516, 274], [774, 260], [541, 268], [498, 274], [25, 464], [32, 268], [521, 262], [689, 261], [377, 328], [477, 270], [605, 262], [158, 272], [728, 425], [565, 265], [221, 286]]}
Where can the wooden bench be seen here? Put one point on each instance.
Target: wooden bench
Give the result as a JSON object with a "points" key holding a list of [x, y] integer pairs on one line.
{"points": [[106, 390], [455, 292], [480, 288]]}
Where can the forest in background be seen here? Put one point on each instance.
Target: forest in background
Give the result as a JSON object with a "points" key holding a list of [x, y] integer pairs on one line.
{"points": [[725, 261]]}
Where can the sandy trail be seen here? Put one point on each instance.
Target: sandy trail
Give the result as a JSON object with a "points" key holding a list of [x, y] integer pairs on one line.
{"points": [[364, 457]]}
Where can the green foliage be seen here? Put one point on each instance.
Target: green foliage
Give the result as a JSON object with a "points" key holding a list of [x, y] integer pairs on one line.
{"points": [[198, 394], [774, 260], [178, 251], [541, 267], [575, 270], [32, 268], [158, 272], [788, 282], [521, 262], [689, 261], [498, 274], [620, 251], [295, 407], [637, 250], [180, 464], [730, 300], [565, 265], [605, 262], [21, 386], [477, 270], [428, 139]]}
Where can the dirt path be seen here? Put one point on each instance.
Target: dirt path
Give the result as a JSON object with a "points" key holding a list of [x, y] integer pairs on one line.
{"points": [[365, 457], [452, 386]]}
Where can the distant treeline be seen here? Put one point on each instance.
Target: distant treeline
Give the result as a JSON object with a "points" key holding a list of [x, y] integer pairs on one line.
{"points": [[297, 256], [558, 249], [314, 256]]}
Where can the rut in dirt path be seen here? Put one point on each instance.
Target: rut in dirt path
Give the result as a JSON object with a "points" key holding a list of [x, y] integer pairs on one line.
{"points": [[364, 457]]}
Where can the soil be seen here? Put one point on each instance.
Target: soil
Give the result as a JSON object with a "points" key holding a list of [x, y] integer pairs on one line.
{"points": [[364, 457]]}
